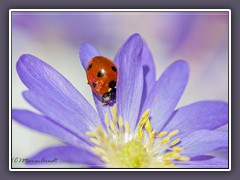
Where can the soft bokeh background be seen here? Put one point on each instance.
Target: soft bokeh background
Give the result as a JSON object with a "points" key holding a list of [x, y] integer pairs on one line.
{"points": [[200, 38]]}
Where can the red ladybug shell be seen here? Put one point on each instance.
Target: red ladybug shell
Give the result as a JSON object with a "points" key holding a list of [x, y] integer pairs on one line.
{"points": [[101, 74]]}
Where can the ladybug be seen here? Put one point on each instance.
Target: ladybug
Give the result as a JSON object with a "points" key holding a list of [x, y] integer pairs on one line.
{"points": [[102, 77]]}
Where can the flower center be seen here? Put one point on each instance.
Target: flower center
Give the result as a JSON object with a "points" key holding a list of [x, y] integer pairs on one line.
{"points": [[143, 148], [132, 155]]}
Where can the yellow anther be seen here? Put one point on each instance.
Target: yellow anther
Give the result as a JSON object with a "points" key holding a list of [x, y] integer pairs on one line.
{"points": [[106, 119], [139, 134], [144, 118], [100, 132], [151, 138], [114, 113], [95, 141], [110, 133], [99, 151], [114, 110], [167, 156], [91, 134], [118, 134], [175, 141], [152, 134], [115, 121], [173, 133], [165, 141], [127, 127], [148, 126], [183, 158], [174, 155], [170, 155], [167, 162], [112, 126], [120, 122], [162, 134], [105, 159], [177, 149]]}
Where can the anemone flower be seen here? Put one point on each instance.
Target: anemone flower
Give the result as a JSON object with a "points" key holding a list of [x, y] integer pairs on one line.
{"points": [[141, 129]]}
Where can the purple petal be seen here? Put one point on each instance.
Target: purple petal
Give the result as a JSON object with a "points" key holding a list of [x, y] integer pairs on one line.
{"points": [[221, 152], [40, 77], [166, 93], [149, 73], [203, 141], [202, 158], [210, 162], [68, 154], [200, 115], [130, 79], [46, 125], [102, 110], [76, 122], [86, 53]]}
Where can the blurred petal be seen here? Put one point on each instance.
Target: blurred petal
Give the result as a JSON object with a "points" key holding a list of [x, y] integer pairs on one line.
{"points": [[130, 79], [166, 93], [149, 73], [66, 154], [203, 141], [76, 122], [86, 53], [46, 125], [199, 115], [210, 162], [178, 33], [40, 77]]}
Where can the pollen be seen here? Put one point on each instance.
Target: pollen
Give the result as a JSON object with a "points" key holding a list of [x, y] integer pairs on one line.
{"points": [[118, 147]]}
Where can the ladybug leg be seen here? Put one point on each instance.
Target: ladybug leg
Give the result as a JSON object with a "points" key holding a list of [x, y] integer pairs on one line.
{"points": [[113, 94], [109, 96], [106, 98]]}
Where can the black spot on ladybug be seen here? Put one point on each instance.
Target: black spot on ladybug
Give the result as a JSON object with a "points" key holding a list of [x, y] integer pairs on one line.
{"points": [[101, 73], [114, 68], [112, 84], [89, 67], [94, 84]]}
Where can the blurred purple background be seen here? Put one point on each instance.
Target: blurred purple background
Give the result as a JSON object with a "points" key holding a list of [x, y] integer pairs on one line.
{"points": [[200, 38]]}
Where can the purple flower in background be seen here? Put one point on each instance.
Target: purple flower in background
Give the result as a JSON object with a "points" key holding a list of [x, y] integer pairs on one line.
{"points": [[73, 27], [141, 130]]}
